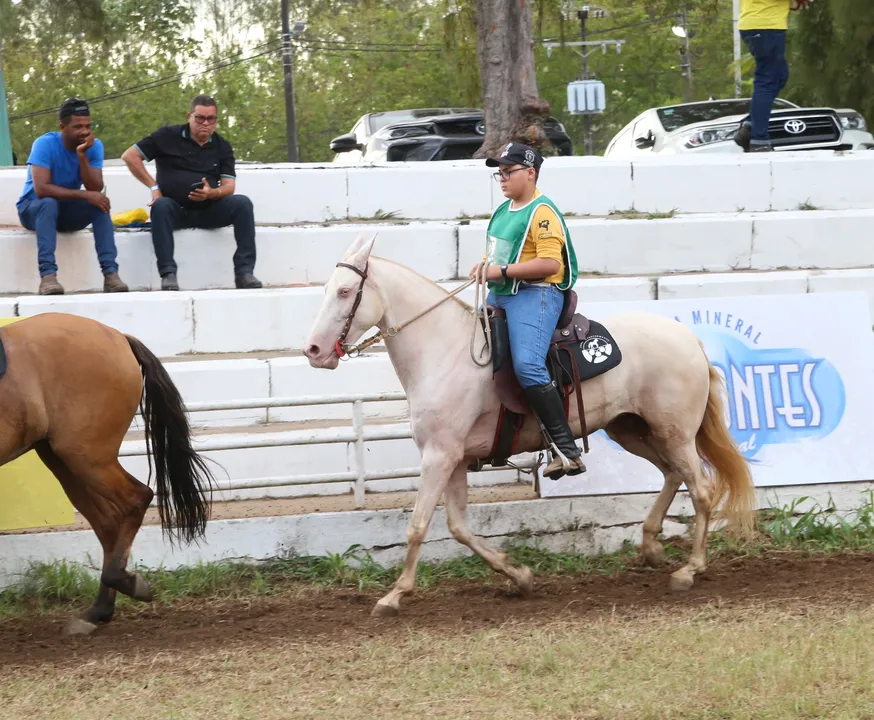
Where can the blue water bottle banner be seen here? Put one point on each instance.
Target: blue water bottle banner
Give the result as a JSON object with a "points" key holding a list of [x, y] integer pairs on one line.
{"points": [[799, 375]]}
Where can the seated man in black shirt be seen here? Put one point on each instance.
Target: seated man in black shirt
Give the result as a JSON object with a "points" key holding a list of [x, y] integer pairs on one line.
{"points": [[195, 188]]}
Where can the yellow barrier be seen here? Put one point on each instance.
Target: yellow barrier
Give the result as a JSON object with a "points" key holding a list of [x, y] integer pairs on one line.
{"points": [[30, 495]]}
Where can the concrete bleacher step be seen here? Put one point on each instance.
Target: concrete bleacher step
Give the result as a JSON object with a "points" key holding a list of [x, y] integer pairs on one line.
{"points": [[269, 320], [625, 244], [319, 192]]}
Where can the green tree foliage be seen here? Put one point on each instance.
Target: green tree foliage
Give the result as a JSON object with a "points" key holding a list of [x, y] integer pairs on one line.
{"points": [[832, 55], [359, 56]]}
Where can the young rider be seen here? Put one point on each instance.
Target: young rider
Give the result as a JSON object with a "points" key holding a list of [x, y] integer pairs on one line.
{"points": [[531, 262]]}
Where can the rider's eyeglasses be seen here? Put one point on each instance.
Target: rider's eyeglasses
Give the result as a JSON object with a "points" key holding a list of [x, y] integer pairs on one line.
{"points": [[205, 119], [505, 175]]}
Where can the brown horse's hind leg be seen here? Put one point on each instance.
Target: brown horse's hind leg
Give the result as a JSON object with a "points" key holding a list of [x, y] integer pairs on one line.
{"points": [[114, 503]]}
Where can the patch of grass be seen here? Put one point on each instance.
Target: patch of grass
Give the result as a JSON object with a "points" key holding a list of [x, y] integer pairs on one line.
{"points": [[47, 585], [807, 206], [801, 526], [661, 215], [633, 214], [821, 529]]}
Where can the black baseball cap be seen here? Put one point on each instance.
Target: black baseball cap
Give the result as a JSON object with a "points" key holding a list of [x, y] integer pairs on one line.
{"points": [[517, 154], [73, 106]]}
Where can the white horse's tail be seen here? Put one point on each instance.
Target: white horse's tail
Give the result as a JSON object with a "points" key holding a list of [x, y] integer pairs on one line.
{"points": [[728, 467]]}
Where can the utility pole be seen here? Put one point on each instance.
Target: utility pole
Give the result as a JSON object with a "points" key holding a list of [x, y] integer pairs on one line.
{"points": [[5, 135], [585, 96], [583, 15], [687, 57], [288, 70]]}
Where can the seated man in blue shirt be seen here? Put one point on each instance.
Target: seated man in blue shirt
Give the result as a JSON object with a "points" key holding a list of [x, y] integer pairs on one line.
{"points": [[59, 164], [195, 188]]}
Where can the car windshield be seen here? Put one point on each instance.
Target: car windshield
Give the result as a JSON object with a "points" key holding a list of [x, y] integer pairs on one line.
{"points": [[678, 116], [379, 120]]}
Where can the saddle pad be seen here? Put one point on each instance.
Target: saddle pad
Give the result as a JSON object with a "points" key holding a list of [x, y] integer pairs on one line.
{"points": [[595, 355]]}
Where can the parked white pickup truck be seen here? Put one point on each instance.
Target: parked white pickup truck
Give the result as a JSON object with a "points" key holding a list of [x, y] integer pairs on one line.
{"points": [[710, 126]]}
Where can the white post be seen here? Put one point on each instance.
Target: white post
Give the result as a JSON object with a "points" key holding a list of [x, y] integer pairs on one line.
{"points": [[736, 33], [358, 428]]}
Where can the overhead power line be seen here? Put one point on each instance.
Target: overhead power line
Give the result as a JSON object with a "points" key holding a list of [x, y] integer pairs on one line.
{"points": [[158, 82]]}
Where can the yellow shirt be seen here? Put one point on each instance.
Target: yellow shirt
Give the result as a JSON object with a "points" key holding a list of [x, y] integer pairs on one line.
{"points": [[545, 239], [764, 15]]}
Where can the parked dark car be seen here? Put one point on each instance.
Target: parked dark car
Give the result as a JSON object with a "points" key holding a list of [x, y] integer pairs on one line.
{"points": [[424, 134]]}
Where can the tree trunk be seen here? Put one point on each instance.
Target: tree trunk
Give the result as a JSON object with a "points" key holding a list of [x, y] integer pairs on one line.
{"points": [[505, 47]]}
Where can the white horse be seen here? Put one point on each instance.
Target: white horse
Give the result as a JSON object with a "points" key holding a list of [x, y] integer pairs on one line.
{"points": [[662, 403]]}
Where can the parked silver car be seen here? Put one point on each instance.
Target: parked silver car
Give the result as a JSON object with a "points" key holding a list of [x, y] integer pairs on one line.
{"points": [[710, 126]]}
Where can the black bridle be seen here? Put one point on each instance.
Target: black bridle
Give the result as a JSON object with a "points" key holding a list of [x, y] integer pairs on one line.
{"points": [[340, 346]]}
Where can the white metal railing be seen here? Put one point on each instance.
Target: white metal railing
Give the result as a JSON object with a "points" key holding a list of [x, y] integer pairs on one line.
{"points": [[358, 434]]}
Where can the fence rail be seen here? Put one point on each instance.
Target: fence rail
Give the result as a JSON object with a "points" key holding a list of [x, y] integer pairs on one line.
{"points": [[357, 435]]}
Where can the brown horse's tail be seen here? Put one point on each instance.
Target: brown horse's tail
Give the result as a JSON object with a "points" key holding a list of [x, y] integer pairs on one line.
{"points": [[728, 468], [182, 477]]}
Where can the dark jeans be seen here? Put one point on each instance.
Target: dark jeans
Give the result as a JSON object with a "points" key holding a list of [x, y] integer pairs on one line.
{"points": [[168, 215], [768, 48], [47, 217]]}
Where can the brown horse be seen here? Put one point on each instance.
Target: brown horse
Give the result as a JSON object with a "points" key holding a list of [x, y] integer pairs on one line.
{"points": [[71, 389]]}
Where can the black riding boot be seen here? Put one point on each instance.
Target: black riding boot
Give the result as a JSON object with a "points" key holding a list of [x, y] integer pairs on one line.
{"points": [[546, 401]]}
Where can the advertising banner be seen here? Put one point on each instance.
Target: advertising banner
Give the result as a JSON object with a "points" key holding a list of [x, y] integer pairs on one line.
{"points": [[799, 371]]}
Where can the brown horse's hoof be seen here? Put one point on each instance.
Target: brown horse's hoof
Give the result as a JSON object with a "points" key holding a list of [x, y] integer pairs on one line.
{"points": [[142, 591]]}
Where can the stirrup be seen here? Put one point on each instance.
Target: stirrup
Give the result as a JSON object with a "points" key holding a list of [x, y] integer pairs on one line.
{"points": [[567, 468]]}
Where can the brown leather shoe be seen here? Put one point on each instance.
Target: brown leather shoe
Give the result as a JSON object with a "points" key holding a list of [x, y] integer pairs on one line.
{"points": [[247, 282], [112, 283], [555, 469], [49, 285]]}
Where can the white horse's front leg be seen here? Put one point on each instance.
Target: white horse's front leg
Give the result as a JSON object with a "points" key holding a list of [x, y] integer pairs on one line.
{"points": [[456, 518], [437, 466]]}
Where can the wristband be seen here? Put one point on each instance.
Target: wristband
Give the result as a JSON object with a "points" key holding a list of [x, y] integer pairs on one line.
{"points": [[504, 272], [155, 187]]}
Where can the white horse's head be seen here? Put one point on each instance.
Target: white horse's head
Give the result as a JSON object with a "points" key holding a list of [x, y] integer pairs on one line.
{"points": [[350, 308]]}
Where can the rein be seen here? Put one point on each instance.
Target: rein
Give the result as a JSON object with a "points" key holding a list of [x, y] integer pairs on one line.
{"points": [[345, 349]]}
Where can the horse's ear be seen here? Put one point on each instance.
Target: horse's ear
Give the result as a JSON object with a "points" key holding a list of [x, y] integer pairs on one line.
{"points": [[355, 246], [362, 255]]}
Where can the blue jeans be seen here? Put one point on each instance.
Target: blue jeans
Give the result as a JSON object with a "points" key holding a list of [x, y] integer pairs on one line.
{"points": [[532, 316], [768, 48], [47, 217]]}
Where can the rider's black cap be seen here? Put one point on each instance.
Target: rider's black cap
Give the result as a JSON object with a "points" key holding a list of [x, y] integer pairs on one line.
{"points": [[517, 154]]}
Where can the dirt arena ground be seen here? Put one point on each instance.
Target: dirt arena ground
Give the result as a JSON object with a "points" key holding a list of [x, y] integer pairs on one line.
{"points": [[596, 646]]}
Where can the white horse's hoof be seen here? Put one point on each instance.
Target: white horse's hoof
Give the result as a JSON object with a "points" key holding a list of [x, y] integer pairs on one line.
{"points": [[78, 626], [526, 581], [385, 611], [654, 556], [682, 580]]}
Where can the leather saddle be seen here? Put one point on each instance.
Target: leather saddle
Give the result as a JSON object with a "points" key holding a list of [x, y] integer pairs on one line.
{"points": [[572, 327]]}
